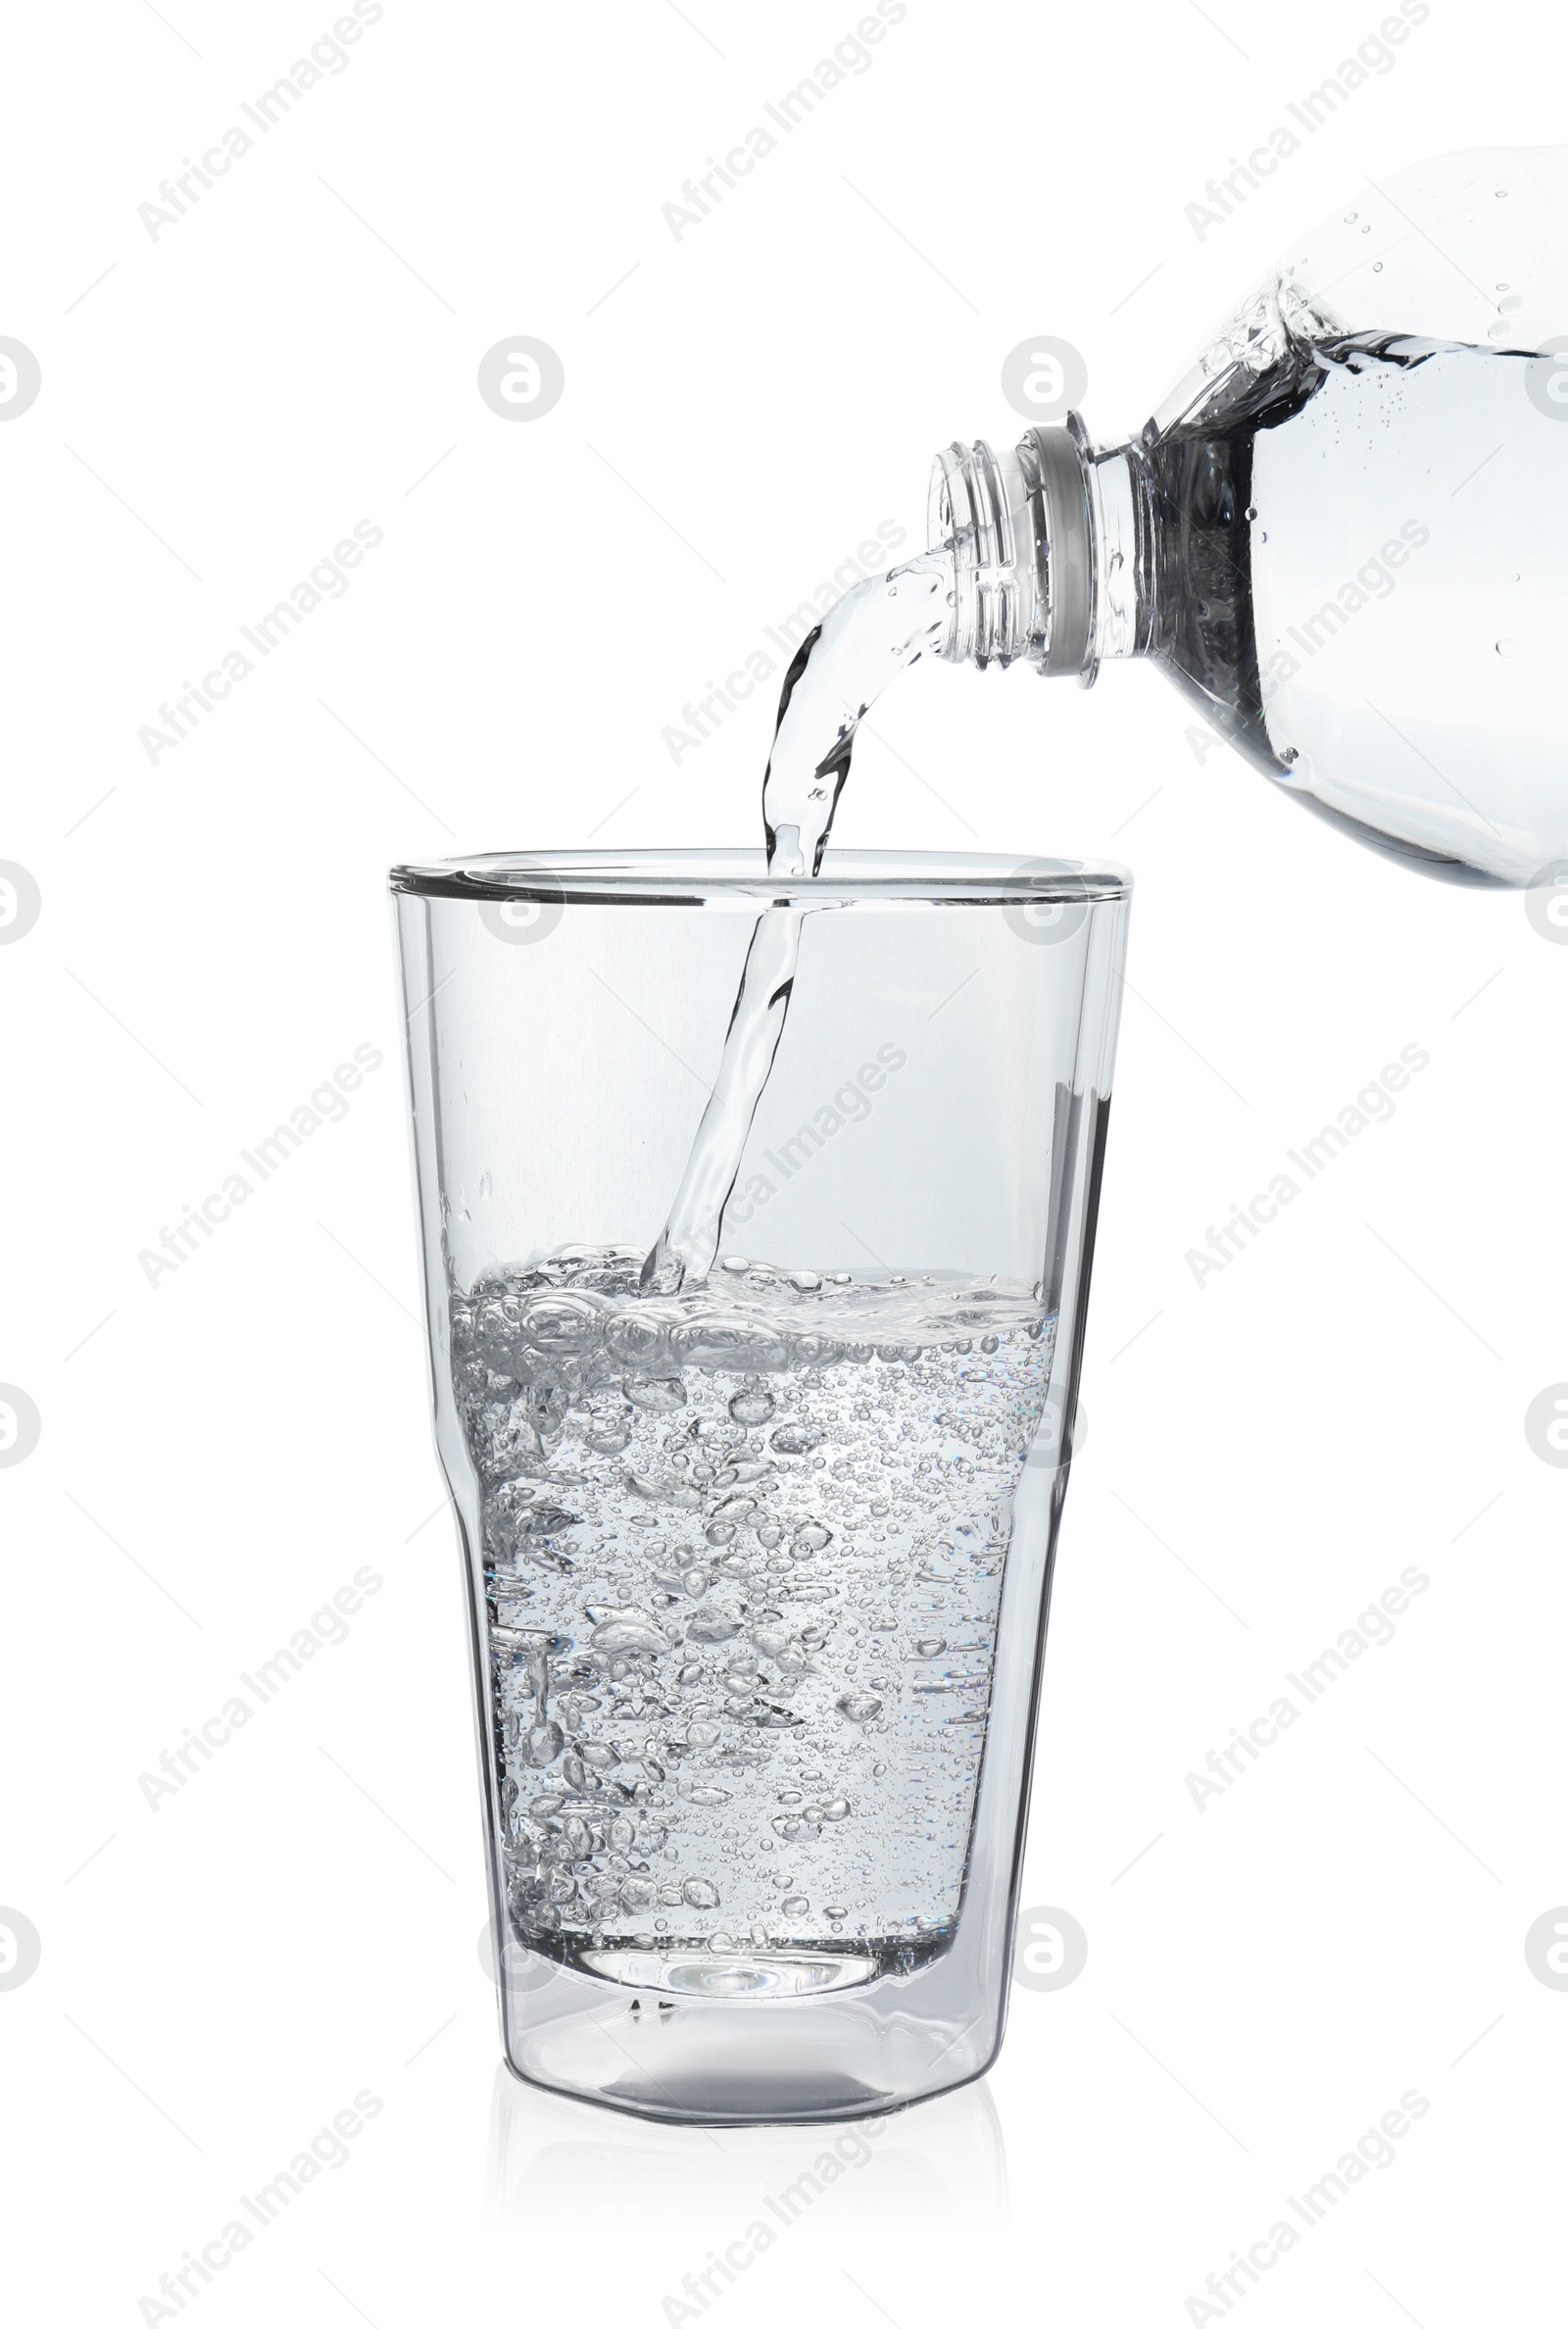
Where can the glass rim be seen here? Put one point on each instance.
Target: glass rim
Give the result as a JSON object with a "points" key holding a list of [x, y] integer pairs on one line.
{"points": [[704, 876]]}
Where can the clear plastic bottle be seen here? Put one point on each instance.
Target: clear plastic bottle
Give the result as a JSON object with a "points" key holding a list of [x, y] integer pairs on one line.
{"points": [[1341, 534]]}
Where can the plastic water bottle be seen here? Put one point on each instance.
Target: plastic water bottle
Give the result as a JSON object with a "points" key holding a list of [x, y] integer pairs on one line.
{"points": [[1341, 533]]}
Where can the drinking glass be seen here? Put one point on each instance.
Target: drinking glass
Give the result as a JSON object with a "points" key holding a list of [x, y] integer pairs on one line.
{"points": [[758, 1572]]}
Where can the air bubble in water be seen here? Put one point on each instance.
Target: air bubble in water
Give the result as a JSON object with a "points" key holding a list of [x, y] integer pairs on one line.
{"points": [[752, 1407], [859, 1705], [543, 1744], [709, 1798], [712, 1629], [630, 1630], [797, 1439], [660, 1397]]}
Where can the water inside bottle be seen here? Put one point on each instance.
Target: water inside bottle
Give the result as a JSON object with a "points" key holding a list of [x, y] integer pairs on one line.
{"points": [[1356, 579]]}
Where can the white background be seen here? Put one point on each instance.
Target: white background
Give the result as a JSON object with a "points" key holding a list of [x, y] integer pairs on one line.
{"points": [[222, 1452]]}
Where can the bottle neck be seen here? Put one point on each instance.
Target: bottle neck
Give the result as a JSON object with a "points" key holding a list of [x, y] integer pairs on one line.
{"points": [[1049, 552]]}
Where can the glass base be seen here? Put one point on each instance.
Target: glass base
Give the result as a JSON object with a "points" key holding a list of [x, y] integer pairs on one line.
{"points": [[748, 2040]]}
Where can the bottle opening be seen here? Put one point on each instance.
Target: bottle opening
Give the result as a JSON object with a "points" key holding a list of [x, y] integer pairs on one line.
{"points": [[1016, 525]]}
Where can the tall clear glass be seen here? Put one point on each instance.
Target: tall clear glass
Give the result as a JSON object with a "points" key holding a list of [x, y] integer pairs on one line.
{"points": [[758, 1572]]}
